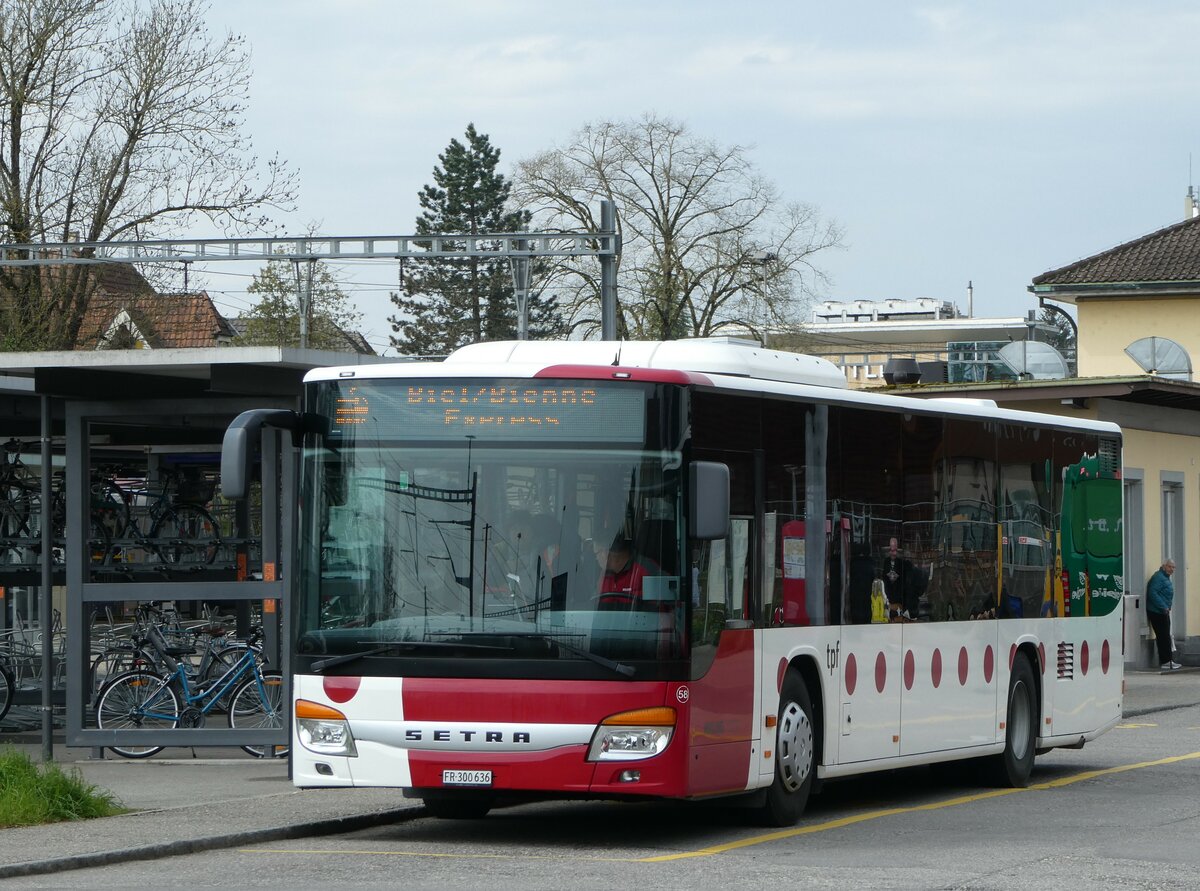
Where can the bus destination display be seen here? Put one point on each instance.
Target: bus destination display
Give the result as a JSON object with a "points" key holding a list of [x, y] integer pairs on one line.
{"points": [[492, 410]]}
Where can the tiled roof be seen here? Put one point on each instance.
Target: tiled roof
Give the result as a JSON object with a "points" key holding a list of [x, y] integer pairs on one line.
{"points": [[1168, 255], [165, 321]]}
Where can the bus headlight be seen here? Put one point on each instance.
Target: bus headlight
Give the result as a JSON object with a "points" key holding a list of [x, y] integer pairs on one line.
{"points": [[630, 736], [324, 730]]}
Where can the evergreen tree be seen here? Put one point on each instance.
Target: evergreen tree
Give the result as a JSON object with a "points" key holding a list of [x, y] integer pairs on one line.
{"points": [[275, 319], [451, 302]]}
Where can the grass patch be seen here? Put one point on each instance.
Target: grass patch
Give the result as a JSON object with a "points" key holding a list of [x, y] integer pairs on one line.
{"points": [[32, 794]]}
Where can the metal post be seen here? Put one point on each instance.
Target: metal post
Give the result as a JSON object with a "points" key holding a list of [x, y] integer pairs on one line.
{"points": [[47, 589], [271, 518], [608, 271], [304, 286], [520, 275]]}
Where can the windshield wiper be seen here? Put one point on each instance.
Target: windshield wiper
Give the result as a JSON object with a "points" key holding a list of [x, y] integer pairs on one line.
{"points": [[333, 661], [321, 664], [620, 668]]}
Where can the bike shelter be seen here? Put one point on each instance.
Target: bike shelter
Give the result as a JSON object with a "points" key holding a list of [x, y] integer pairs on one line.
{"points": [[153, 413]]}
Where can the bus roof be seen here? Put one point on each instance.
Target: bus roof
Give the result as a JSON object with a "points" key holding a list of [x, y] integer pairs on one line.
{"points": [[721, 362]]}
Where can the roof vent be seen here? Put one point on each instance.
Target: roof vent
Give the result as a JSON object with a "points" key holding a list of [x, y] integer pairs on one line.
{"points": [[1161, 356], [1033, 360], [902, 371]]}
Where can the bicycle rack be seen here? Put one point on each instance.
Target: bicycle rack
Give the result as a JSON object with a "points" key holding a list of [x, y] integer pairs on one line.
{"points": [[89, 586]]}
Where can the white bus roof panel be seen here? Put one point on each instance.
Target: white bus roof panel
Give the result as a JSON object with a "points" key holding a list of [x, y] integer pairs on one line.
{"points": [[720, 355], [734, 365]]}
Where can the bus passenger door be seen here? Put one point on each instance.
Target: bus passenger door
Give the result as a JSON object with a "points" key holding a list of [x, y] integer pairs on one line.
{"points": [[870, 692]]}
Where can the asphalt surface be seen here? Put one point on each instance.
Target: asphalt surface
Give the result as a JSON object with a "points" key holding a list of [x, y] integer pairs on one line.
{"points": [[182, 803]]}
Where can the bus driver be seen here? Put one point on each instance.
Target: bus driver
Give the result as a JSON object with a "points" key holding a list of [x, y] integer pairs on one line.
{"points": [[621, 584]]}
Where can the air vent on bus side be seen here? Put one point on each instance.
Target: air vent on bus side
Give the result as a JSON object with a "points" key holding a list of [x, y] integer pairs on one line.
{"points": [[1110, 450], [1066, 661]]}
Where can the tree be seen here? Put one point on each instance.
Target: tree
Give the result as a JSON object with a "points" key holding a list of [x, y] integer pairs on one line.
{"points": [[708, 245], [116, 121], [275, 319], [1063, 337], [451, 302]]}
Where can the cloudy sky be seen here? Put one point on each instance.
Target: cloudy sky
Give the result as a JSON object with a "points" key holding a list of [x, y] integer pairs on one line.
{"points": [[979, 142]]}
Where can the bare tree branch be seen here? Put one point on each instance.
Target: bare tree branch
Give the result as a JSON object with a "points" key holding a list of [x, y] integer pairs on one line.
{"points": [[117, 116], [708, 244]]}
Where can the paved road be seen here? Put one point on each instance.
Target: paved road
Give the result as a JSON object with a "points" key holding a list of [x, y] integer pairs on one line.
{"points": [[1122, 813]]}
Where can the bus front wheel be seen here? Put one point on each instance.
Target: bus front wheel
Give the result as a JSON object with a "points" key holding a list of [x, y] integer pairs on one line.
{"points": [[795, 755], [1014, 765]]}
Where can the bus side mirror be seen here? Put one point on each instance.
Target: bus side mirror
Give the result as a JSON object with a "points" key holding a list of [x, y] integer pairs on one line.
{"points": [[709, 500], [240, 443]]}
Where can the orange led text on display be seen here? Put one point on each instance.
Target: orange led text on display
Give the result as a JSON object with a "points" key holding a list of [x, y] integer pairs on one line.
{"points": [[524, 399]]}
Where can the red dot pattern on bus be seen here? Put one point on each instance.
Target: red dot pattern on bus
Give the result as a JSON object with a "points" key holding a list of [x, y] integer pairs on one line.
{"points": [[909, 673], [341, 689]]}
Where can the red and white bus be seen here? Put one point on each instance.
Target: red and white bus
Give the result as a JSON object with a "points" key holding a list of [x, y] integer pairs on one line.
{"points": [[627, 570]]}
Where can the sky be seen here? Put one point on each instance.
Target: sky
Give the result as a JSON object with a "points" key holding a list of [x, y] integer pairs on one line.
{"points": [[954, 143]]}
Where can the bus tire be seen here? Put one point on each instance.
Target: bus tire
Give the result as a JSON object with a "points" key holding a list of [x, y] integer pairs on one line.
{"points": [[447, 808], [1014, 765], [795, 755]]}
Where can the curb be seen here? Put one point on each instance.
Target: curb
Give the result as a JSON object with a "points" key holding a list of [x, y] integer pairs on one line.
{"points": [[197, 845], [1138, 712]]}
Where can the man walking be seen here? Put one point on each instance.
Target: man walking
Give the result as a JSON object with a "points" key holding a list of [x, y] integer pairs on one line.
{"points": [[1160, 594]]}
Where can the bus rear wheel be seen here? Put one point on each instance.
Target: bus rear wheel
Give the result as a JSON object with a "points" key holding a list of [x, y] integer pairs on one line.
{"points": [[1014, 765], [795, 755]]}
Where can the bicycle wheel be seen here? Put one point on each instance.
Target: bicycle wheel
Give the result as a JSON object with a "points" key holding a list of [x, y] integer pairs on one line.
{"points": [[186, 535], [114, 661], [15, 507], [6, 691], [100, 546], [137, 700], [255, 705]]}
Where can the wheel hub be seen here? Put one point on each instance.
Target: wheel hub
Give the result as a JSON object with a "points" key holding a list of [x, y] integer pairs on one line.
{"points": [[795, 746]]}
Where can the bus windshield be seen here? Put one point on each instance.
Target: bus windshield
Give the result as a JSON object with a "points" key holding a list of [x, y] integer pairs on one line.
{"points": [[447, 543]]}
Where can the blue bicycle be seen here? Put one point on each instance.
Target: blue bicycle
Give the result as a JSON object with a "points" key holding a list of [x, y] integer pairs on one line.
{"points": [[143, 699]]}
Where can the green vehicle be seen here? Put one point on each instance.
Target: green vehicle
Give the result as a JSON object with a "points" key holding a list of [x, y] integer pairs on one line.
{"points": [[1091, 533]]}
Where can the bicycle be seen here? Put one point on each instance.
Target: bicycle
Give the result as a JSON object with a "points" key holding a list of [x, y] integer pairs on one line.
{"points": [[20, 497], [7, 688], [182, 531], [210, 650], [142, 698]]}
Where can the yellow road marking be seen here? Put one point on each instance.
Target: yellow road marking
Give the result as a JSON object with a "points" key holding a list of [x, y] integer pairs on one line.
{"points": [[1134, 726], [891, 812], [713, 850]]}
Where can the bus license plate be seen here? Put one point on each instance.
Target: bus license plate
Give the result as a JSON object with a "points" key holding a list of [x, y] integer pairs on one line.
{"points": [[466, 777]]}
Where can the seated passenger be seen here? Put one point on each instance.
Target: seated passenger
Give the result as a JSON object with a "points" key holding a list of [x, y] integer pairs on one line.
{"points": [[623, 572]]}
